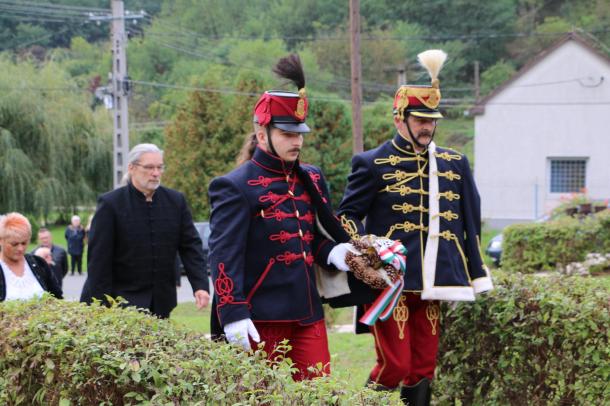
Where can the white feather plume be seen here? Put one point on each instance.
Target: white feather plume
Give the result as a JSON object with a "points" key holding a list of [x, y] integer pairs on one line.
{"points": [[432, 60]]}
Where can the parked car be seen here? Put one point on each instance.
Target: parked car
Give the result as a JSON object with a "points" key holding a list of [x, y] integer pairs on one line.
{"points": [[203, 229], [494, 249]]}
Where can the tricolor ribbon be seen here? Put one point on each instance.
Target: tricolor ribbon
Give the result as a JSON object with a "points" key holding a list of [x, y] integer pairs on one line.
{"points": [[392, 253]]}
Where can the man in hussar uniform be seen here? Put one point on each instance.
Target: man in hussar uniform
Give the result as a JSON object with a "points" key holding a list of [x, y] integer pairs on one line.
{"points": [[409, 189], [265, 235]]}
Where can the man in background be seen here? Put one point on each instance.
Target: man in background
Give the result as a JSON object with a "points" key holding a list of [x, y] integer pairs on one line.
{"points": [[136, 233], [60, 256]]}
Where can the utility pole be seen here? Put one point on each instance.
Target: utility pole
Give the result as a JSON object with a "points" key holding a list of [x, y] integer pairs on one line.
{"points": [[119, 86], [477, 85], [354, 22]]}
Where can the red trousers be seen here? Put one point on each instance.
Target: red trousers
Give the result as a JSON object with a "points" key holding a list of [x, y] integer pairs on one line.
{"points": [[407, 343], [309, 346]]}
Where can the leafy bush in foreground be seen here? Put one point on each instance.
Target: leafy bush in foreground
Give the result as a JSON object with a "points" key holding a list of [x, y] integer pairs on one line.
{"points": [[58, 352], [531, 341], [542, 246]]}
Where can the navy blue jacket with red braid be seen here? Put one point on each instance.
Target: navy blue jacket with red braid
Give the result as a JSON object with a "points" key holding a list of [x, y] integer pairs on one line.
{"points": [[264, 241]]}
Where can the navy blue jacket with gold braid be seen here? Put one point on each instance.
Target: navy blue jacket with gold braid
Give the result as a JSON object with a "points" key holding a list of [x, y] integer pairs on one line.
{"points": [[430, 203], [264, 241]]}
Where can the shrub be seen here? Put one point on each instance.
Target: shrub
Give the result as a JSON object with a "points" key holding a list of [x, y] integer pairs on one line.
{"points": [[57, 352], [542, 246], [531, 341]]}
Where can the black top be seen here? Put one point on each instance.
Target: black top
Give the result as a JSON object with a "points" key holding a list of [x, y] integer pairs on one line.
{"points": [[60, 257], [75, 237], [133, 245], [43, 275]]}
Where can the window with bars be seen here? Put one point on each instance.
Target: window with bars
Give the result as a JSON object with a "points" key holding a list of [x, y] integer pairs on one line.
{"points": [[568, 175]]}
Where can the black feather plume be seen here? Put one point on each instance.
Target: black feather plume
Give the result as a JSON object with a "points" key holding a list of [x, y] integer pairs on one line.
{"points": [[290, 68]]}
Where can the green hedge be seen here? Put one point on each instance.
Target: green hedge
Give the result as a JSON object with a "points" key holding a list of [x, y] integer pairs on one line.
{"points": [[531, 341], [57, 352], [542, 246]]}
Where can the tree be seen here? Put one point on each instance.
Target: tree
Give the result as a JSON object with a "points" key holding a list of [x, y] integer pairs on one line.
{"points": [[55, 154], [203, 141], [495, 76], [329, 145]]}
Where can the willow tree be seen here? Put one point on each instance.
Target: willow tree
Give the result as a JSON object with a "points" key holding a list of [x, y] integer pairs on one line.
{"points": [[55, 153]]}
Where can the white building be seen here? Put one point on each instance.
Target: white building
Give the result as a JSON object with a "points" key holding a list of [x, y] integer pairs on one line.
{"points": [[545, 134]]}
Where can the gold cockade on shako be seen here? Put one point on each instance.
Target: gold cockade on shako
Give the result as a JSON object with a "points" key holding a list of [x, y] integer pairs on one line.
{"points": [[300, 111]]}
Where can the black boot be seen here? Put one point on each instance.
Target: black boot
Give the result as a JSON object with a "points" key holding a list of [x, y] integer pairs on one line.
{"points": [[416, 395]]}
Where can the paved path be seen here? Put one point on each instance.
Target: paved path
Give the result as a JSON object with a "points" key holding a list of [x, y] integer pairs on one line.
{"points": [[73, 285]]}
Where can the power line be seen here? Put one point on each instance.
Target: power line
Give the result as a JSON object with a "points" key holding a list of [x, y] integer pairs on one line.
{"points": [[35, 40], [365, 37], [52, 6]]}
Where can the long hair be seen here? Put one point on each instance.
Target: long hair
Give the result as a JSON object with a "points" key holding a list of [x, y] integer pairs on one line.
{"points": [[247, 149], [135, 154]]}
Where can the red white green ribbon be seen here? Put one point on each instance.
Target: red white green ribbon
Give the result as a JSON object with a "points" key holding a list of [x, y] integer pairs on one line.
{"points": [[392, 253]]}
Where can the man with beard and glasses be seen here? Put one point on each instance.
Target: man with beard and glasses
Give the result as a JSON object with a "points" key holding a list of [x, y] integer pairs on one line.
{"points": [[411, 190], [135, 235], [266, 222]]}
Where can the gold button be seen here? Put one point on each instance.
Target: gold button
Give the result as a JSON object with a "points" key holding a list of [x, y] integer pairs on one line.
{"points": [[297, 213], [290, 193], [262, 213], [304, 255], [287, 178], [301, 233]]}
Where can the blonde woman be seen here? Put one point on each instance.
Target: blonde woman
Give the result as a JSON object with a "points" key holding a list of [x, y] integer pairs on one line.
{"points": [[22, 276]]}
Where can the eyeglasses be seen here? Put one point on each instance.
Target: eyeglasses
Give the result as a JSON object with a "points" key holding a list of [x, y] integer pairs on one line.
{"points": [[150, 168]]}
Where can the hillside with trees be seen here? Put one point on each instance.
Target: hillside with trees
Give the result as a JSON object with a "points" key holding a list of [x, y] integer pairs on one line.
{"points": [[196, 66]]}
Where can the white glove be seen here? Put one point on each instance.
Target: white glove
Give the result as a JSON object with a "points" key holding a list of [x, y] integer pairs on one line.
{"points": [[237, 332], [337, 256]]}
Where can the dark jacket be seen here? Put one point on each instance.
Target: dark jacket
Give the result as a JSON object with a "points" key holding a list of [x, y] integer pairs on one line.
{"points": [[75, 239], [264, 241], [430, 203], [43, 274], [60, 257], [133, 245]]}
